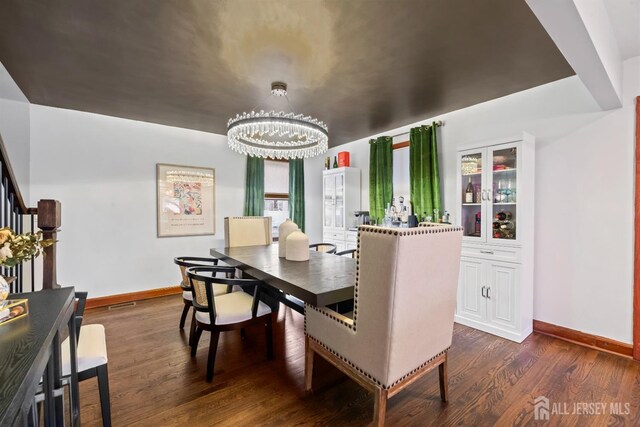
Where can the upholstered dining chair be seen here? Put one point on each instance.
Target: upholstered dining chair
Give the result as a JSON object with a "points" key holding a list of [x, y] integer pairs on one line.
{"points": [[92, 362], [91, 358], [232, 311], [349, 252], [184, 262], [247, 231], [406, 281], [187, 296], [328, 248]]}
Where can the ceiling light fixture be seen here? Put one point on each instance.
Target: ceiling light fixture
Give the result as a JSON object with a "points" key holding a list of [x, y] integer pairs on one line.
{"points": [[277, 135]]}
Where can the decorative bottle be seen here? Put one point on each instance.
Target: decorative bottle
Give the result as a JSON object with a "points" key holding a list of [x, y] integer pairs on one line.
{"points": [[335, 162], [404, 216], [503, 216], [468, 193]]}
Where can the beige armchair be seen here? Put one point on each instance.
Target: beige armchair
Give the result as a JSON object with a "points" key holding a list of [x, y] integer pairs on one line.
{"points": [[404, 304], [247, 231]]}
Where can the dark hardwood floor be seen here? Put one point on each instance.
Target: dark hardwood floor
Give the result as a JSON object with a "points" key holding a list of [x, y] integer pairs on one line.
{"points": [[492, 381]]}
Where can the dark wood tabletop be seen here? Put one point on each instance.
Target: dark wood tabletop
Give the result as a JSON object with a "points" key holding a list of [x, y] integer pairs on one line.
{"points": [[25, 345], [324, 279]]}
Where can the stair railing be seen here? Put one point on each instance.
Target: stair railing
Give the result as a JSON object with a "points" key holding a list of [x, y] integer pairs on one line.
{"points": [[14, 213]]}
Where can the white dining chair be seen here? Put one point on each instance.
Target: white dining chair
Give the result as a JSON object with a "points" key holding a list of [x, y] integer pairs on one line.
{"points": [[187, 296], [406, 281], [92, 362], [247, 231], [233, 311]]}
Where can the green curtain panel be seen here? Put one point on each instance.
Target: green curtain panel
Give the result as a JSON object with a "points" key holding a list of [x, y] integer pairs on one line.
{"points": [[296, 192], [254, 191], [424, 172], [380, 176]]}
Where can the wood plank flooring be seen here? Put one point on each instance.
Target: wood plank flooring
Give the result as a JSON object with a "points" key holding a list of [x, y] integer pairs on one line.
{"points": [[154, 381]]}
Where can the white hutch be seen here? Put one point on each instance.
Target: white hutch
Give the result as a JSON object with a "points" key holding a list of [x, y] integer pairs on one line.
{"points": [[495, 292], [340, 198]]}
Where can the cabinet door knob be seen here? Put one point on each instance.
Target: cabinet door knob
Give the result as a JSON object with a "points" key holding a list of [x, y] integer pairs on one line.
{"points": [[482, 292], [488, 289], [487, 252]]}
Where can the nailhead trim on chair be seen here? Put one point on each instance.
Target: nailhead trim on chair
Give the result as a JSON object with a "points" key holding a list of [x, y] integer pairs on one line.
{"points": [[424, 228], [371, 377], [328, 314], [436, 224], [418, 368]]}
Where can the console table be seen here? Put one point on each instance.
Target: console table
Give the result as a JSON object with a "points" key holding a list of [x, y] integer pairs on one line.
{"points": [[30, 351]]}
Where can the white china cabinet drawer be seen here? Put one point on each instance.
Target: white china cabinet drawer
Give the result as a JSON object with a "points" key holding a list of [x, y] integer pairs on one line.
{"points": [[333, 235], [352, 237], [492, 252]]}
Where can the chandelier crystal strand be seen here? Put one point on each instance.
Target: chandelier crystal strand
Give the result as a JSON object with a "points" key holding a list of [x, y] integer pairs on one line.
{"points": [[277, 134]]}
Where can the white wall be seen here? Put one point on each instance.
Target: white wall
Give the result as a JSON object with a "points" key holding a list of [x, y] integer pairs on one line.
{"points": [[14, 129], [584, 195], [103, 170]]}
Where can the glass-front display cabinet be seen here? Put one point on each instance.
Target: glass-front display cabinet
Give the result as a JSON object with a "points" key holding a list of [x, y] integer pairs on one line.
{"points": [[334, 201], [488, 190], [495, 193]]}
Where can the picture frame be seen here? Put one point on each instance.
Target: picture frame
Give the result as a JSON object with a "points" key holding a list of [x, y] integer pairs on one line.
{"points": [[185, 200]]}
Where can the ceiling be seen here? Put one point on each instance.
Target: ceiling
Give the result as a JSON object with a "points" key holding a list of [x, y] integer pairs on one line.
{"points": [[362, 66]]}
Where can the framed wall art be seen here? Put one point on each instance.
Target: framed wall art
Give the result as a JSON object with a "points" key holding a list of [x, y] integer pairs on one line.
{"points": [[186, 200]]}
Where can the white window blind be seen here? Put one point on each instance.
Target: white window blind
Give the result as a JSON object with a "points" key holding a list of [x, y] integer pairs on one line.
{"points": [[276, 177]]}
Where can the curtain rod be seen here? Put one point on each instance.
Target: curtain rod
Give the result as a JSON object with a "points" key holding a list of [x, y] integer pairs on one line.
{"points": [[438, 123]]}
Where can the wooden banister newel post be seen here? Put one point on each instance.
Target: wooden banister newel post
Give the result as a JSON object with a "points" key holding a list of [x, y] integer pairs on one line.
{"points": [[49, 221]]}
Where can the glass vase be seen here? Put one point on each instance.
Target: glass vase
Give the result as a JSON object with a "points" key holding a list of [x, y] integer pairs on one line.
{"points": [[4, 289]]}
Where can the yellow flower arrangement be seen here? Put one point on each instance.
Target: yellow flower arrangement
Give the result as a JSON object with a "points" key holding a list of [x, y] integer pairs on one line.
{"points": [[17, 248]]}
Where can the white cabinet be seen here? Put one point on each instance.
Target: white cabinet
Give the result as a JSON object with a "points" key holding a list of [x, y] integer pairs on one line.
{"points": [[471, 303], [352, 240], [495, 292], [341, 197], [488, 295], [501, 294]]}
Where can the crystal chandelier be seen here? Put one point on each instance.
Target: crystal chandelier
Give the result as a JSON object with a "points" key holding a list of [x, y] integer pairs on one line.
{"points": [[277, 135]]}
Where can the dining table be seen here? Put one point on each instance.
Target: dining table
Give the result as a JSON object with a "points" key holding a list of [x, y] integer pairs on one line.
{"points": [[323, 280]]}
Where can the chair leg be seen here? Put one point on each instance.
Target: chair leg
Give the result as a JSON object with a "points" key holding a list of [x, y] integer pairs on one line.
{"points": [[196, 338], [213, 348], [192, 329], [444, 380], [103, 388], [379, 406], [183, 318], [269, 332], [308, 365]]}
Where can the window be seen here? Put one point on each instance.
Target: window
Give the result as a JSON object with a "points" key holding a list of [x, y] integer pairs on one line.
{"points": [[401, 173], [276, 193]]}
